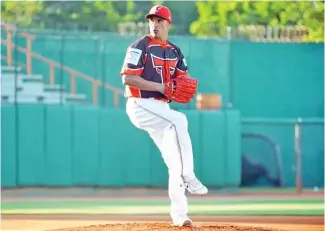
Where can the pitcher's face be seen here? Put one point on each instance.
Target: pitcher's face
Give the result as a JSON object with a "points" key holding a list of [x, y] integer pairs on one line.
{"points": [[159, 27]]}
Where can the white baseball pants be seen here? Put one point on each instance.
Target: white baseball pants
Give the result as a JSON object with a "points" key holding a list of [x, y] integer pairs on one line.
{"points": [[168, 129]]}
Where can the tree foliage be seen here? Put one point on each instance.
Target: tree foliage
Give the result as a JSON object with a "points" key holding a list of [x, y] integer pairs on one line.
{"points": [[216, 16], [21, 13], [201, 18], [92, 15]]}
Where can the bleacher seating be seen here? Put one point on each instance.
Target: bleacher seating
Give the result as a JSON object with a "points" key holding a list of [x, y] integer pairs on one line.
{"points": [[21, 88]]}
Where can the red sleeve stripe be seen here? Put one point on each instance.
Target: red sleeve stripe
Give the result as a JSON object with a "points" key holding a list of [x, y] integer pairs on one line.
{"points": [[128, 71]]}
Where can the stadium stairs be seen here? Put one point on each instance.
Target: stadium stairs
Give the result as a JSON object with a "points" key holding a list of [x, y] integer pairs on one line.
{"points": [[30, 89]]}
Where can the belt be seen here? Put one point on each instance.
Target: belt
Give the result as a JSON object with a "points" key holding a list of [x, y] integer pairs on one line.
{"points": [[156, 98]]}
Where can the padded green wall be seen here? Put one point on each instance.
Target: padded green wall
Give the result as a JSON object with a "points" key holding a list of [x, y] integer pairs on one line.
{"points": [[278, 79], [8, 146], [89, 146]]}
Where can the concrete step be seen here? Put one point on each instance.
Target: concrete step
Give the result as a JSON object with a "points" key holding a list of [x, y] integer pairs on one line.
{"points": [[36, 90], [27, 98], [10, 81], [65, 95], [53, 101], [31, 88], [20, 99], [31, 100], [11, 90], [10, 69], [10, 87], [75, 96], [22, 77], [53, 87], [31, 85]]}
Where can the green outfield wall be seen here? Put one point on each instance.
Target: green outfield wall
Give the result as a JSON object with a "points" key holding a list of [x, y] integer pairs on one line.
{"points": [[88, 146]]}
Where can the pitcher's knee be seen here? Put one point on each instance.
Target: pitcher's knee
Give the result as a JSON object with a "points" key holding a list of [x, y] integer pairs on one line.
{"points": [[180, 121]]}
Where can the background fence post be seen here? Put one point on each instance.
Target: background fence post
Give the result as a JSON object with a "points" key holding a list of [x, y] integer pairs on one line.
{"points": [[297, 144]]}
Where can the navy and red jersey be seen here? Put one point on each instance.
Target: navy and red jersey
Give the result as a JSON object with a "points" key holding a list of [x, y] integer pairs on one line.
{"points": [[154, 61]]}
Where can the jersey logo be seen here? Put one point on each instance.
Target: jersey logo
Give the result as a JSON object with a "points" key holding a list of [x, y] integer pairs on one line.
{"points": [[161, 65]]}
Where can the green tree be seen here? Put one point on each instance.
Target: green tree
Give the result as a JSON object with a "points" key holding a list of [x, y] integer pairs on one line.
{"points": [[215, 17], [93, 15], [20, 13], [117, 12]]}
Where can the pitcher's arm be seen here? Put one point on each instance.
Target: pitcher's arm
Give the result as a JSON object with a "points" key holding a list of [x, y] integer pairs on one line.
{"points": [[142, 84]]}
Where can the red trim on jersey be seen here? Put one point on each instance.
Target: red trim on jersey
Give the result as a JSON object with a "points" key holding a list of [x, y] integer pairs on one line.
{"points": [[179, 72], [164, 66], [157, 42], [128, 71], [160, 61], [132, 92]]}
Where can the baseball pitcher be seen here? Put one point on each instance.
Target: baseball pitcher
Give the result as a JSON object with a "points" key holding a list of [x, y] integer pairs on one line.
{"points": [[155, 73]]}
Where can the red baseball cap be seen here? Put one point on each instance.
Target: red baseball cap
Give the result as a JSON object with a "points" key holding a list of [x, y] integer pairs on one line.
{"points": [[161, 12]]}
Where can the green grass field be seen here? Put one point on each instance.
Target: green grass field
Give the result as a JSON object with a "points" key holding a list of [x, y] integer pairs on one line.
{"points": [[310, 207]]}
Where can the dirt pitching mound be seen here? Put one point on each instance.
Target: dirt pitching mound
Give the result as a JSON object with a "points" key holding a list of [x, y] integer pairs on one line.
{"points": [[165, 226]]}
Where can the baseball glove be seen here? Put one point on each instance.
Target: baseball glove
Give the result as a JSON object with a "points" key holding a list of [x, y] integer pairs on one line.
{"points": [[181, 89]]}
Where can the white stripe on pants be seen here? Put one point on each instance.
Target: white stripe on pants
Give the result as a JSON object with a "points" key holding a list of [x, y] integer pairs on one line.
{"points": [[168, 129]]}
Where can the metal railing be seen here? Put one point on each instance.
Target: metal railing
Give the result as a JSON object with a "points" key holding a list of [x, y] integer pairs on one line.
{"points": [[262, 33], [254, 33], [8, 42]]}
